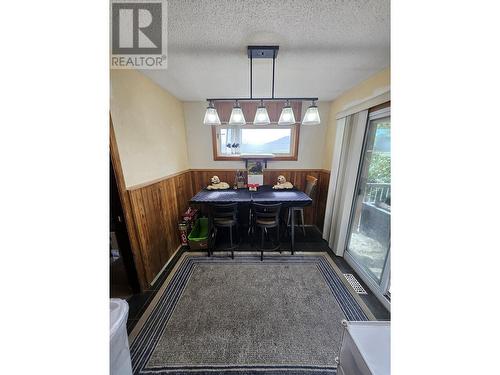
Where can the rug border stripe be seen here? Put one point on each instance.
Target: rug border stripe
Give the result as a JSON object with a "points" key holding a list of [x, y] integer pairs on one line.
{"points": [[146, 334]]}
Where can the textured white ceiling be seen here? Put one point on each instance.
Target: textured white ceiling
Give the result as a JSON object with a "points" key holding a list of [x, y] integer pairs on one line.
{"points": [[326, 47]]}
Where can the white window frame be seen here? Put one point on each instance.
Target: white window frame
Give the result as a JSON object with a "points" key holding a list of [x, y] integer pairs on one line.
{"points": [[294, 139]]}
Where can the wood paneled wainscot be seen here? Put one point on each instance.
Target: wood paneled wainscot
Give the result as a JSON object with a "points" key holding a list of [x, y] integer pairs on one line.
{"points": [[313, 215], [156, 209]]}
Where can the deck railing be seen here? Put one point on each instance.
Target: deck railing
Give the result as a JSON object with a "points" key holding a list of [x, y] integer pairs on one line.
{"points": [[376, 192]]}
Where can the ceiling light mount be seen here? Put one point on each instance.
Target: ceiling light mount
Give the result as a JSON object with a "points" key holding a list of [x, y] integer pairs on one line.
{"points": [[263, 52]]}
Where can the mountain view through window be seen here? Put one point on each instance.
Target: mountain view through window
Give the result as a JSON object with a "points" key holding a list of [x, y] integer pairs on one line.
{"points": [[254, 141]]}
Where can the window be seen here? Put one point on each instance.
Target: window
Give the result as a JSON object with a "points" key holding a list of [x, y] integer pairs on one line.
{"points": [[232, 141]]}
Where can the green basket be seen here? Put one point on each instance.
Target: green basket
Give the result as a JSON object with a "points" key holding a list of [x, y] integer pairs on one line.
{"points": [[198, 238]]}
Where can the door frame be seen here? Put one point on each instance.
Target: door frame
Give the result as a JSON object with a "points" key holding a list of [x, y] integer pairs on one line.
{"points": [[379, 290], [353, 140], [117, 221], [127, 208]]}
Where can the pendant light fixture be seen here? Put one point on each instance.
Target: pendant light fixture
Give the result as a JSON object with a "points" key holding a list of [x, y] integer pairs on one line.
{"points": [[237, 117], [287, 117], [312, 115], [211, 115], [261, 116]]}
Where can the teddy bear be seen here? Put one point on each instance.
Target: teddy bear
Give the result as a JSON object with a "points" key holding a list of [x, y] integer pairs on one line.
{"points": [[217, 185], [283, 183]]}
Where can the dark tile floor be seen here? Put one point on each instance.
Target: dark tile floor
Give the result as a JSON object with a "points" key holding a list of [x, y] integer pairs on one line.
{"points": [[138, 303], [312, 241], [375, 306], [119, 285]]}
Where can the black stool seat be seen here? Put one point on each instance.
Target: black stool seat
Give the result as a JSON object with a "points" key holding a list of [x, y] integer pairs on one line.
{"points": [[222, 216], [266, 222], [265, 216], [225, 222]]}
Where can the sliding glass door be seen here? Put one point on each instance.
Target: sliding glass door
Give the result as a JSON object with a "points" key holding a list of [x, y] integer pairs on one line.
{"points": [[368, 241]]}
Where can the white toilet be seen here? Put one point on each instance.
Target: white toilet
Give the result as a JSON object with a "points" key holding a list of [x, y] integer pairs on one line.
{"points": [[119, 354]]}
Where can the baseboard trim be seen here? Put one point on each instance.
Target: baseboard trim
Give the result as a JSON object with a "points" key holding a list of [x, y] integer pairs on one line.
{"points": [[165, 266]]}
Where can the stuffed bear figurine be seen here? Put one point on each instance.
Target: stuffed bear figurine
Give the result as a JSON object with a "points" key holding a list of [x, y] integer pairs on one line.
{"points": [[283, 183], [217, 185]]}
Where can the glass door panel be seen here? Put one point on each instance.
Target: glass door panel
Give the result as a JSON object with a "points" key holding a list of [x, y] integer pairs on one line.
{"points": [[369, 233]]}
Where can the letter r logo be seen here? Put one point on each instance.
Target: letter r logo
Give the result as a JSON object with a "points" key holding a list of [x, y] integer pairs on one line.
{"points": [[136, 28]]}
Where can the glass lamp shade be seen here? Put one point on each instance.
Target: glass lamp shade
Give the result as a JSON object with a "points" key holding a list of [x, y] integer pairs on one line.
{"points": [[211, 117], [312, 116], [261, 116], [287, 117], [237, 117]]}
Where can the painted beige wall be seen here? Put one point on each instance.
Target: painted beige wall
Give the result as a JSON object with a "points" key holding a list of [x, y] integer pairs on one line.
{"points": [[373, 86], [149, 128], [152, 126], [200, 152]]}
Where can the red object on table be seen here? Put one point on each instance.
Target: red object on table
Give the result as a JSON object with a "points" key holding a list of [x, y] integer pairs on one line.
{"points": [[253, 187]]}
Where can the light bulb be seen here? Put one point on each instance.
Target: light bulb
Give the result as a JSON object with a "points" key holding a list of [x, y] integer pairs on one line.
{"points": [[287, 117], [237, 117], [211, 116], [261, 115], [312, 115]]}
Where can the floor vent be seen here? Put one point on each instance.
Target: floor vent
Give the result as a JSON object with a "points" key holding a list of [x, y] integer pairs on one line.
{"points": [[355, 283]]}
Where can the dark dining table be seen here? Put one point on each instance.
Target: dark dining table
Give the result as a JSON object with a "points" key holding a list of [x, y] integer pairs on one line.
{"points": [[289, 198]]}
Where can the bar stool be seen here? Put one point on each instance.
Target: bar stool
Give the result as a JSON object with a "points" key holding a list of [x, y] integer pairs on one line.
{"points": [[266, 216], [310, 190], [223, 216]]}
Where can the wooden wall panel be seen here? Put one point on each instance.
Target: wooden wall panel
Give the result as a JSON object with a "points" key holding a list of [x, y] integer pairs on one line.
{"points": [[157, 210], [322, 194], [298, 179], [201, 177]]}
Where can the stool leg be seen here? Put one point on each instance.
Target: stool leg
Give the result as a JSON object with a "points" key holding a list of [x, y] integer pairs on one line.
{"points": [[278, 237], [251, 233], [262, 245], [211, 241], [231, 240], [262, 236], [303, 225], [232, 247]]}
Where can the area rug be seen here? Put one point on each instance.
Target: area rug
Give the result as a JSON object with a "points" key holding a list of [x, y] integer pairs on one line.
{"points": [[243, 316]]}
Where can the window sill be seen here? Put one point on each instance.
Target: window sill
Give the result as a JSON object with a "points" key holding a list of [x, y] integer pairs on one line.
{"points": [[239, 158]]}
